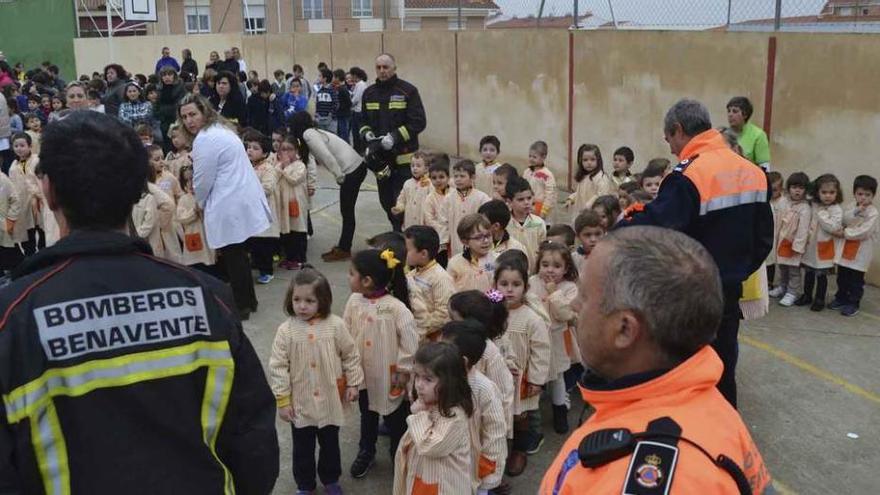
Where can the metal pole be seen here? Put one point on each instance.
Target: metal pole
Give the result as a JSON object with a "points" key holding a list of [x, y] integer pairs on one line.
{"points": [[385, 15], [278, 8], [459, 15], [247, 15], [110, 33], [540, 14], [729, 4], [574, 14], [613, 19], [777, 20]]}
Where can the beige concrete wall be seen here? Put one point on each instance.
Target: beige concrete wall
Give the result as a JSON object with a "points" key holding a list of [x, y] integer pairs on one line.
{"points": [[427, 59], [309, 50], [279, 53], [253, 50], [138, 54], [825, 108], [523, 99], [625, 81], [361, 49]]}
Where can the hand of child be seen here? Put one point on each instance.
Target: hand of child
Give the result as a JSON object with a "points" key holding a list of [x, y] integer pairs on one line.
{"points": [[311, 190], [514, 372], [397, 211], [838, 233], [533, 390], [10, 226], [351, 394], [417, 407], [550, 286], [286, 414]]}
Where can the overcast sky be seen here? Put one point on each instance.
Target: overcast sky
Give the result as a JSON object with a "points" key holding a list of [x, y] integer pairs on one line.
{"points": [[666, 12]]}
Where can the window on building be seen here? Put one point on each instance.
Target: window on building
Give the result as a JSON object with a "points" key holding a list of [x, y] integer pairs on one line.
{"points": [[846, 11], [313, 9], [197, 14], [362, 8], [254, 15]]}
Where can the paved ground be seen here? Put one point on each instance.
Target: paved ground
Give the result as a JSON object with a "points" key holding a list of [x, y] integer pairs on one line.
{"points": [[808, 381]]}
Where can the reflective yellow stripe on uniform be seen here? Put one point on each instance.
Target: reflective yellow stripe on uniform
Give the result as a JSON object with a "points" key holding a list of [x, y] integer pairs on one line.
{"points": [[404, 158], [403, 132], [372, 105], [731, 200], [34, 400], [397, 105]]}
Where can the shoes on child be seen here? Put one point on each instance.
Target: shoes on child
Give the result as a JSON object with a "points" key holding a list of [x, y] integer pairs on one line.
{"points": [[362, 464], [849, 310], [265, 279], [560, 419], [788, 300], [536, 444], [516, 463], [336, 254], [818, 305], [290, 265], [777, 292], [804, 300], [835, 305], [333, 489]]}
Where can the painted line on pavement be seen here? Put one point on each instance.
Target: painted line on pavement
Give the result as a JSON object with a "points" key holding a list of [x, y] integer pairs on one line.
{"points": [[783, 489], [811, 369]]}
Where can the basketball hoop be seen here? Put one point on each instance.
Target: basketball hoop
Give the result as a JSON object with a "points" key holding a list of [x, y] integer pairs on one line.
{"points": [[140, 10]]}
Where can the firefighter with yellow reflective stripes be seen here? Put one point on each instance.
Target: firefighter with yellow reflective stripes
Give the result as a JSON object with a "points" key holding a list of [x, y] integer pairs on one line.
{"points": [[393, 118], [121, 372], [720, 199]]}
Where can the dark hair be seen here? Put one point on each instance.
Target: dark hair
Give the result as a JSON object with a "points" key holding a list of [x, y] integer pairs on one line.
{"points": [[468, 336], [865, 182], [278, 72], [360, 73], [474, 304], [298, 124], [564, 230], [310, 276], [507, 170], [230, 77], [513, 264], [493, 140], [424, 238], [143, 129], [611, 205], [586, 218], [21, 135], [821, 181], [439, 166], [339, 74], [798, 179], [389, 240], [297, 68], [571, 273], [181, 178], [656, 168], [641, 196], [774, 176], [445, 362], [87, 152], [539, 147], [120, 74], [743, 104], [580, 172], [368, 263], [141, 93], [326, 75], [251, 135], [465, 165], [442, 159], [516, 185], [629, 187], [626, 153], [264, 86], [469, 223], [322, 65], [496, 211]]}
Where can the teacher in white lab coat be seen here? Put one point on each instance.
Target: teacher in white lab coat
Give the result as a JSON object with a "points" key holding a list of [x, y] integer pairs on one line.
{"points": [[228, 191]]}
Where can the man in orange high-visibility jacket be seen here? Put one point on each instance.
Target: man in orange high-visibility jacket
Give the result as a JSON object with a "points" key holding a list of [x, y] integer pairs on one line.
{"points": [[720, 199], [659, 423]]}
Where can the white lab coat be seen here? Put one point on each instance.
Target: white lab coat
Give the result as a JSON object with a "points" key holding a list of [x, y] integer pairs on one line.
{"points": [[227, 189]]}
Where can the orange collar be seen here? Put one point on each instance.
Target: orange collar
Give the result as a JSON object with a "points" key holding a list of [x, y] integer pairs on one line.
{"points": [[697, 374], [705, 141]]}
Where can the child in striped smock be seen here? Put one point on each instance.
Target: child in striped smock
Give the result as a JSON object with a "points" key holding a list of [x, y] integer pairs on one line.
{"points": [[490, 146], [434, 456], [488, 424], [860, 234], [818, 259], [411, 200], [315, 371], [385, 332], [473, 268]]}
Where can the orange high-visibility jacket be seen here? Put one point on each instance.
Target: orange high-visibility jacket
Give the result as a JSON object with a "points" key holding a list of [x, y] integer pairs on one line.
{"points": [[720, 199], [686, 395]]}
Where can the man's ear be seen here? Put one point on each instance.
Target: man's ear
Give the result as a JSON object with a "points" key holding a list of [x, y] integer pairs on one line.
{"points": [[629, 330]]}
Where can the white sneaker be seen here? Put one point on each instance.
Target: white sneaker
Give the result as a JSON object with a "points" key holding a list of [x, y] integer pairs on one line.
{"points": [[776, 292], [788, 300]]}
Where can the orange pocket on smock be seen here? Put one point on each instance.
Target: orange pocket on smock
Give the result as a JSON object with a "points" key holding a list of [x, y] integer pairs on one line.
{"points": [[419, 487], [785, 249], [485, 467], [524, 386], [569, 347], [851, 249], [396, 389], [341, 385], [825, 250], [193, 242], [293, 208]]}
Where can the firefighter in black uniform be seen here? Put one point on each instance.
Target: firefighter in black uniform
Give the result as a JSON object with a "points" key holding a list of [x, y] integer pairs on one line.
{"points": [[393, 118], [121, 372]]}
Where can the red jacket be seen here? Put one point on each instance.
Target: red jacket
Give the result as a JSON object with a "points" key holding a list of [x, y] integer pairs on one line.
{"points": [[688, 396]]}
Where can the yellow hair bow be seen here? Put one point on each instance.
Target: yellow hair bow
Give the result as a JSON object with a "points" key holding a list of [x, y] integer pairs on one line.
{"points": [[390, 260]]}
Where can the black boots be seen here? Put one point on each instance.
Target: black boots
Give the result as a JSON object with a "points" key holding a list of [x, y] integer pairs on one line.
{"points": [[560, 419], [821, 289]]}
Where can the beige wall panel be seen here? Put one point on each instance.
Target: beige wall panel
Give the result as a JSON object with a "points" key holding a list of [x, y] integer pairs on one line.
{"points": [[309, 50], [253, 50], [279, 54], [360, 49], [428, 61], [515, 85]]}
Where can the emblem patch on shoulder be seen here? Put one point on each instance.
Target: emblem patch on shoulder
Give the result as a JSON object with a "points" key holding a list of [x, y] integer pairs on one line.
{"points": [[650, 469]]}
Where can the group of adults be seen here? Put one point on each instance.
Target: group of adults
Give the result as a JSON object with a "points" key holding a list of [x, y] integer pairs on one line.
{"points": [[659, 423]]}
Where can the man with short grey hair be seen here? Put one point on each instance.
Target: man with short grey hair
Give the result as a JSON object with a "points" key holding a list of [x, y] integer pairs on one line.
{"points": [[720, 199], [652, 376]]}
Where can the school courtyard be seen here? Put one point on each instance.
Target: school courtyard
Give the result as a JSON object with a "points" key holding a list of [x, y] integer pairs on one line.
{"points": [[808, 382]]}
